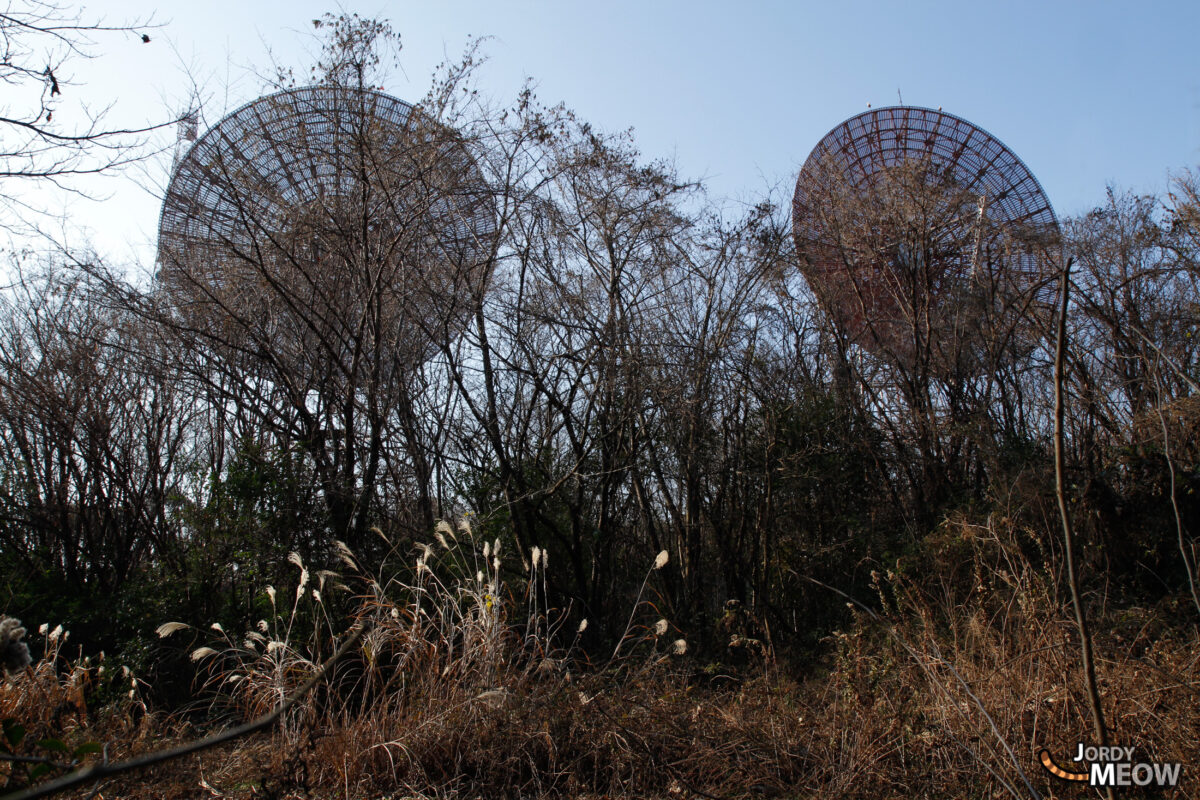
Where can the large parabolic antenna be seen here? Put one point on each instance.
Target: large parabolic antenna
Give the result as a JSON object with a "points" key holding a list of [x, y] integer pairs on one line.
{"points": [[925, 239], [313, 215]]}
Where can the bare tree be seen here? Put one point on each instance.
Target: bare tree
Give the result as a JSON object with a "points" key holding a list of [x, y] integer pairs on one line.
{"points": [[1135, 371], [1136, 285], [937, 300], [90, 442], [48, 132], [316, 247]]}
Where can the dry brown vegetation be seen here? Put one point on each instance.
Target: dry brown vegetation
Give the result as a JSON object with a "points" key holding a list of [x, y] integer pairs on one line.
{"points": [[700, 541], [947, 691]]}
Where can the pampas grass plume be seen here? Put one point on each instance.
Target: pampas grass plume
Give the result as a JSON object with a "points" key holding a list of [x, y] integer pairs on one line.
{"points": [[166, 629], [202, 652], [345, 554]]}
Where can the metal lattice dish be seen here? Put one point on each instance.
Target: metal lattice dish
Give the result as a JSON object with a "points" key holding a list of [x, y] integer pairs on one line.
{"points": [[926, 239], [307, 214]]}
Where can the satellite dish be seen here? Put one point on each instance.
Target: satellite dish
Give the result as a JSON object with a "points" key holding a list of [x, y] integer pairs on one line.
{"points": [[309, 218], [925, 239]]}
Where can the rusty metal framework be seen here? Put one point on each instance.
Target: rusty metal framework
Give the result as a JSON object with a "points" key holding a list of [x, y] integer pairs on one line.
{"points": [[320, 191], [924, 237]]}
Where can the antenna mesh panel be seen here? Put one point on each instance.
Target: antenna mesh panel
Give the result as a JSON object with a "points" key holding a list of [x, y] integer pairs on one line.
{"points": [[915, 228], [326, 194]]}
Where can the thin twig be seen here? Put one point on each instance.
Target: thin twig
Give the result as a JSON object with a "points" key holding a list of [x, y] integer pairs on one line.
{"points": [[1085, 636], [1188, 566]]}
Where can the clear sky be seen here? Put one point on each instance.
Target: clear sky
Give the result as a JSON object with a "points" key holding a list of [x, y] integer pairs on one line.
{"points": [[1086, 93]]}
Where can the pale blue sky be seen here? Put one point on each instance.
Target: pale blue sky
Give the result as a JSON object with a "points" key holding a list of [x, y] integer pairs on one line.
{"points": [[1085, 93]]}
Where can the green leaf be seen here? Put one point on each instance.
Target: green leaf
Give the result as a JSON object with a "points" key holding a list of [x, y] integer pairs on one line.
{"points": [[14, 732], [87, 748], [52, 744], [38, 771]]}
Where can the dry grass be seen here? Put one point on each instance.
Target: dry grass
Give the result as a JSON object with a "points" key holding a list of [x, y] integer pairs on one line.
{"points": [[947, 690], [50, 701]]}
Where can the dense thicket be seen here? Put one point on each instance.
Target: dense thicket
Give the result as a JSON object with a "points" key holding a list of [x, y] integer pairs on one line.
{"points": [[644, 371]]}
